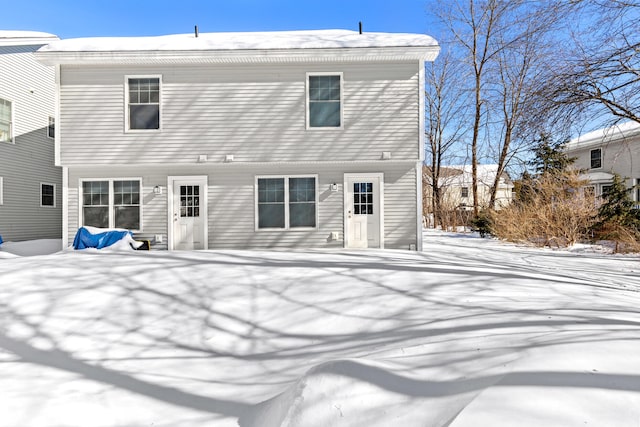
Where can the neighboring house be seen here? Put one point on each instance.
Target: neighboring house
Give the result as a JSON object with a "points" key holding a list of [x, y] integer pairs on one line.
{"points": [[244, 140], [456, 183], [30, 183], [608, 151]]}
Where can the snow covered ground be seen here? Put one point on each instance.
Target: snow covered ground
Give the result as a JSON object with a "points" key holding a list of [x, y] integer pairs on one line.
{"points": [[470, 332]]}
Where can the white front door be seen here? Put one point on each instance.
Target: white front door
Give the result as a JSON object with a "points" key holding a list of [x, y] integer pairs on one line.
{"points": [[363, 210], [188, 213]]}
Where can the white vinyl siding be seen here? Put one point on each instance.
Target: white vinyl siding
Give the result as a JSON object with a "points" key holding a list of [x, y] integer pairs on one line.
{"points": [[231, 190], [1, 190], [29, 159], [256, 114]]}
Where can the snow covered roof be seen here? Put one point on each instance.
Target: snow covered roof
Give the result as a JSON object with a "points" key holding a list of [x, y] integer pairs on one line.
{"points": [[24, 38], [232, 45], [597, 177], [604, 135], [461, 174]]}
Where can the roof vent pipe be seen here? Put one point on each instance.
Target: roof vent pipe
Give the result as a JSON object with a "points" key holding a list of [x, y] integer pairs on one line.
{"points": [[360, 26], [196, 31]]}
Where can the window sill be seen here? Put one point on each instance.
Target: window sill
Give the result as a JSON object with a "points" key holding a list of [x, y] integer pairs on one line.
{"points": [[325, 128], [294, 229], [143, 131]]}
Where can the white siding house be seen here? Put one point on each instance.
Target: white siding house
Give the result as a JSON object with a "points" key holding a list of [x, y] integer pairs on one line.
{"points": [[30, 183], [608, 151], [456, 183], [244, 140]]}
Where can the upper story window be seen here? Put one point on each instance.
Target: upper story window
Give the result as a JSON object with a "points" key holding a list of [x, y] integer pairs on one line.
{"points": [[51, 128], [47, 195], [143, 103], [324, 95], [596, 158], [6, 121], [112, 203], [464, 192]]}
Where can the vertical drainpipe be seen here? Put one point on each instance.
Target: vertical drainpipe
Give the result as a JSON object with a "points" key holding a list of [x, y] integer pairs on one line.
{"points": [[421, 129], [58, 161]]}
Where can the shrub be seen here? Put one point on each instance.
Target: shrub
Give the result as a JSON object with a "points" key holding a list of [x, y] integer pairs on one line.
{"points": [[618, 221], [555, 213], [483, 224]]}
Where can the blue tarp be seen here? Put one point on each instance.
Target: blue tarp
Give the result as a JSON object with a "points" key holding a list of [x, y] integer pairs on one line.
{"points": [[84, 239], [0, 240]]}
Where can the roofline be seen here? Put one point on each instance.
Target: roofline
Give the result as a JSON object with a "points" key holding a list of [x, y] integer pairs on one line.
{"points": [[605, 135], [352, 54], [27, 41]]}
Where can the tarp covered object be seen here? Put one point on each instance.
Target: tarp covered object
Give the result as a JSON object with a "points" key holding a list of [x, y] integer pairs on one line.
{"points": [[0, 240], [85, 239]]}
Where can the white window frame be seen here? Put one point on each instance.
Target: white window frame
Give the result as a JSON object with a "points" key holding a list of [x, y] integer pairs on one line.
{"points": [[12, 139], [51, 122], [591, 158], [127, 125], [54, 195], [308, 113], [286, 202], [111, 199]]}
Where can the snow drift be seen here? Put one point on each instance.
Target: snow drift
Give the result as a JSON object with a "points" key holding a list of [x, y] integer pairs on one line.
{"points": [[469, 332]]}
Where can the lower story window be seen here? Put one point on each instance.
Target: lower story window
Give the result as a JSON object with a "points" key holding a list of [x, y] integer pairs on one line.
{"points": [[286, 202], [47, 195], [111, 203]]}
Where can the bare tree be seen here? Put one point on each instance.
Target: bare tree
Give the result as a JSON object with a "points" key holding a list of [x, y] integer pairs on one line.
{"points": [[472, 24], [523, 58], [504, 43], [447, 110], [601, 72]]}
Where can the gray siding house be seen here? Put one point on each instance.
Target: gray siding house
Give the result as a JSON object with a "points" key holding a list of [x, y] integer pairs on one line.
{"points": [[244, 140], [606, 151], [30, 183]]}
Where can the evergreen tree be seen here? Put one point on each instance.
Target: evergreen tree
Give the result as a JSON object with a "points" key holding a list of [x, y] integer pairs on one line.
{"points": [[618, 207], [549, 156]]}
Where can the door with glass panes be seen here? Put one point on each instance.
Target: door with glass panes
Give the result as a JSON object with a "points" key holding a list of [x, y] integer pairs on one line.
{"points": [[189, 213], [363, 211]]}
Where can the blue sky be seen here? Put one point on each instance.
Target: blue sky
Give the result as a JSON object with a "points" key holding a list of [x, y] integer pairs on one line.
{"points": [[89, 18]]}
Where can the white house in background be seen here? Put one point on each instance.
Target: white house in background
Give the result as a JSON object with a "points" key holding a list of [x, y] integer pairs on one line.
{"points": [[608, 151], [456, 183], [30, 183], [244, 140]]}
